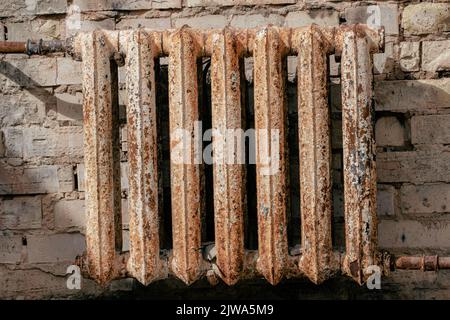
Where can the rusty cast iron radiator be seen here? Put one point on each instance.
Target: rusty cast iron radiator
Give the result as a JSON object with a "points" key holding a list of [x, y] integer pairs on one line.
{"points": [[268, 46]]}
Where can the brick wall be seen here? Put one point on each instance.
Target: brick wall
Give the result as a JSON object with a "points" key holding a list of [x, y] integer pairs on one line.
{"points": [[41, 144]]}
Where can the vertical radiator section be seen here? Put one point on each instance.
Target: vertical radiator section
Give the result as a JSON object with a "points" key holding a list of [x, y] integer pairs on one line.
{"points": [[319, 259]]}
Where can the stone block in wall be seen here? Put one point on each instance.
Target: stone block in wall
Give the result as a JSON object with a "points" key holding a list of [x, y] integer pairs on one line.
{"points": [[412, 234], [409, 56], [305, 18], [412, 95], [66, 178], [211, 21], [55, 247], [95, 5], [413, 166], [88, 25], [68, 71], [69, 214], [32, 72], [25, 107], [19, 213], [384, 62], [386, 200], [57, 142], [256, 20], [436, 55], [47, 29], [69, 106], [13, 142], [10, 248], [385, 15], [425, 199], [426, 17], [224, 3], [29, 180], [389, 132], [429, 129], [150, 23], [14, 8]]}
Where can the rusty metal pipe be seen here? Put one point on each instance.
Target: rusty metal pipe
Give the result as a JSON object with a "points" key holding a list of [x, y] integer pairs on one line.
{"points": [[424, 263], [31, 47]]}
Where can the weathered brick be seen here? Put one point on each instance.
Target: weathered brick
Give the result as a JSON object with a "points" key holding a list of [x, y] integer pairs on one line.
{"points": [[425, 199], [412, 95], [68, 71], [13, 142], [21, 213], [211, 21], [376, 16], [24, 107], [413, 166], [45, 142], [436, 55], [430, 129], [47, 29], [256, 20], [208, 3], [69, 106], [10, 249], [70, 214], [14, 8], [55, 247], [93, 5], [413, 234], [89, 25], [410, 56], [386, 196], [304, 18], [153, 23], [423, 18], [384, 62], [31, 180], [389, 132], [33, 72], [66, 179]]}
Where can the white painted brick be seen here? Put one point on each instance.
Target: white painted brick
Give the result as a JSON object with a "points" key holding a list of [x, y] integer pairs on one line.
{"points": [[412, 95], [55, 248], [376, 16], [423, 18], [61, 141], [209, 3], [33, 72], [304, 18], [410, 56], [69, 107], [386, 200], [211, 21], [31, 180], [436, 55], [413, 166], [13, 142], [256, 20], [68, 71], [10, 249], [430, 129], [21, 213], [153, 23], [389, 132], [14, 8], [413, 234], [69, 214], [425, 199]]}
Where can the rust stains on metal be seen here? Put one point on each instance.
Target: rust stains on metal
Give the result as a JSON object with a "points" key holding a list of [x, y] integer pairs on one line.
{"points": [[315, 155], [144, 263], [98, 153], [270, 117], [228, 172], [185, 174], [424, 263], [359, 156]]}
